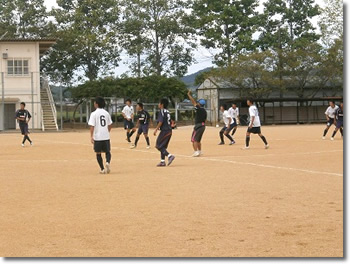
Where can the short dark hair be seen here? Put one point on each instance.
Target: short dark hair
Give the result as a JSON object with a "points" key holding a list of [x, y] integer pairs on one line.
{"points": [[140, 105], [23, 103], [100, 102], [251, 100], [234, 103], [224, 106], [164, 102], [128, 100], [332, 102]]}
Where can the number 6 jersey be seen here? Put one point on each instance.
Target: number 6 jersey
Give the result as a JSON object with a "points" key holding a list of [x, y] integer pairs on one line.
{"points": [[100, 120]]}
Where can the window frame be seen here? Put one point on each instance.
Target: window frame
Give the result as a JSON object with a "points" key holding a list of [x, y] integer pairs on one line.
{"points": [[18, 65]]}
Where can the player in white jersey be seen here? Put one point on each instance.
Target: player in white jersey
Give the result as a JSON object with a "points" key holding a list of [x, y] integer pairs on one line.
{"points": [[234, 112], [330, 116], [128, 114], [100, 123], [230, 123], [254, 124]]}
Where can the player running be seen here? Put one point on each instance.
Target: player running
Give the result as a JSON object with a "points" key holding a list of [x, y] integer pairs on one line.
{"points": [[128, 114], [339, 115], [100, 123], [142, 124], [234, 112], [23, 117], [199, 127], [164, 125], [330, 115], [254, 124], [230, 124]]}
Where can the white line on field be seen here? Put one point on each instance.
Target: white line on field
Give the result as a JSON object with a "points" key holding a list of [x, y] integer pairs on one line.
{"points": [[216, 160]]}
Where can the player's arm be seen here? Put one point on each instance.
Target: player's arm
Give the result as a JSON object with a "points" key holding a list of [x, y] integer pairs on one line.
{"points": [[191, 98], [157, 128], [92, 128], [251, 121]]}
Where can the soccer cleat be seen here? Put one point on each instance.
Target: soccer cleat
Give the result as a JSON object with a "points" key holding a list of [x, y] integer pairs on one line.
{"points": [[245, 148], [232, 142], [221, 143], [108, 168], [161, 164], [332, 138], [323, 138], [22, 145], [171, 159], [196, 154], [267, 146], [148, 147], [133, 146], [31, 143], [102, 172]]}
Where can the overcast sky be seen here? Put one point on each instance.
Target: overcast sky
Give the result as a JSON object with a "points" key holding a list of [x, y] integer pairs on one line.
{"points": [[202, 55]]}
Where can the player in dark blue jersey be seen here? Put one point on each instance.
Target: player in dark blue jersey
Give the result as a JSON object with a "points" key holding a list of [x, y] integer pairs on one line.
{"points": [[339, 115], [164, 125], [143, 121], [23, 117]]}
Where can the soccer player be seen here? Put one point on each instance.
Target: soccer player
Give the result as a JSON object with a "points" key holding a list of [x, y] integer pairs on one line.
{"points": [[142, 124], [234, 112], [100, 123], [164, 125], [199, 124], [229, 125], [330, 114], [339, 115], [128, 114], [23, 117], [254, 124]]}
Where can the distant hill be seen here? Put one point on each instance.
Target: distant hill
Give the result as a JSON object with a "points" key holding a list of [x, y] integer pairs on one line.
{"points": [[189, 79]]}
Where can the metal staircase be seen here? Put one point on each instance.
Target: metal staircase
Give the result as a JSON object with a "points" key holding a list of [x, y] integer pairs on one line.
{"points": [[48, 113]]}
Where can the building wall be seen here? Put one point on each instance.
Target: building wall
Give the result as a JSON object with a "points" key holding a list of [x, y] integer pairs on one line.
{"points": [[22, 88]]}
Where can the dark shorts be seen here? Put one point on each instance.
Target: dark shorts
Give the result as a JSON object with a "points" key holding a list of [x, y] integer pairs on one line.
{"points": [[143, 129], [339, 123], [24, 128], [128, 124], [330, 122], [102, 146], [197, 134], [228, 129], [163, 139], [254, 130]]}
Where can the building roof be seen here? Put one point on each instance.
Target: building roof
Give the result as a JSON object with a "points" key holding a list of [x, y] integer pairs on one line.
{"points": [[44, 43]]}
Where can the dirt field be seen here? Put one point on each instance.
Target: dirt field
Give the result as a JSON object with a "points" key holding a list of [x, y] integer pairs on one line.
{"points": [[286, 201]]}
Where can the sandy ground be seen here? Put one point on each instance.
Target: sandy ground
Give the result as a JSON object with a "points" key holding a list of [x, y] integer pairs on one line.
{"points": [[286, 201]]}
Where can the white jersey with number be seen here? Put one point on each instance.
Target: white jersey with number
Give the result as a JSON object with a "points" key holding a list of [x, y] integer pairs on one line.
{"points": [[234, 112], [128, 111], [331, 111], [253, 111], [100, 120], [226, 116]]}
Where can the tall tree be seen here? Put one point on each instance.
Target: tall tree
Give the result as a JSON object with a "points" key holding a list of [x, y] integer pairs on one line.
{"points": [[86, 39], [24, 18], [226, 25], [158, 29]]}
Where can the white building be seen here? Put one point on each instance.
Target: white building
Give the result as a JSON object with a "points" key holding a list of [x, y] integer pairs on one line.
{"points": [[20, 82]]}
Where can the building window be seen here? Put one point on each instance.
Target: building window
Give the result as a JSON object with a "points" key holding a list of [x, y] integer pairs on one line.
{"points": [[17, 67]]}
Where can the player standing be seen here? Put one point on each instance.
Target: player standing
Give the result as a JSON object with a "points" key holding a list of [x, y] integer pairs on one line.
{"points": [[229, 125], [128, 114], [164, 125], [100, 123], [199, 127], [339, 115], [23, 117], [142, 124], [234, 112], [330, 115], [254, 124]]}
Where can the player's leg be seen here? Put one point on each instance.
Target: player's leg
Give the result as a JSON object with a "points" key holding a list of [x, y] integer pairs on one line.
{"points": [[341, 131], [247, 139], [329, 124], [131, 126], [145, 133], [27, 132], [233, 131], [98, 150], [264, 140], [107, 150], [334, 133], [221, 133], [227, 134], [194, 143]]}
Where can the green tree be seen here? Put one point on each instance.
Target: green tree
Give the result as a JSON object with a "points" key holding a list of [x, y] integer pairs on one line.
{"points": [[226, 25], [86, 40]]}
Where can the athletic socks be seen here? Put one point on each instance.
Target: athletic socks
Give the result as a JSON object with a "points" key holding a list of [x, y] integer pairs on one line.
{"points": [[325, 132], [229, 137], [222, 137], [127, 136], [100, 161], [147, 140], [26, 138], [234, 131], [131, 133], [263, 139], [108, 157], [335, 132], [247, 139], [341, 131], [137, 139]]}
